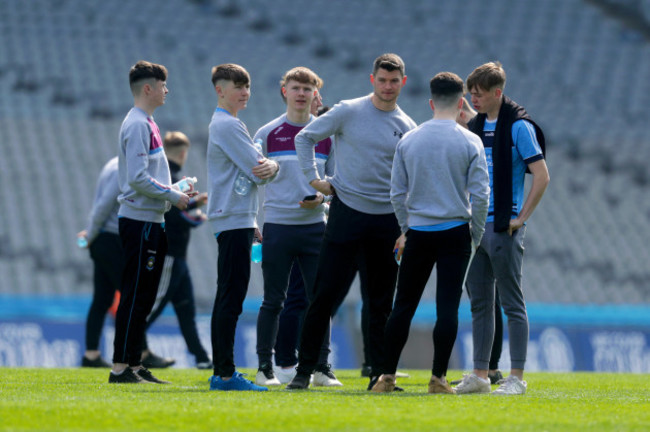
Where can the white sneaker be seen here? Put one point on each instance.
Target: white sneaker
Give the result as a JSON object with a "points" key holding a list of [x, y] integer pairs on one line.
{"points": [[323, 376], [284, 375], [473, 384], [399, 374], [265, 377], [511, 386]]}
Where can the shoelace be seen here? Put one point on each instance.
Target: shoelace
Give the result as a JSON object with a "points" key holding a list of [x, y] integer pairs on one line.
{"points": [[327, 371], [464, 381]]}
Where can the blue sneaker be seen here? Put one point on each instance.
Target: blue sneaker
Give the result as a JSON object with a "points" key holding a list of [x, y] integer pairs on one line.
{"points": [[236, 383]]}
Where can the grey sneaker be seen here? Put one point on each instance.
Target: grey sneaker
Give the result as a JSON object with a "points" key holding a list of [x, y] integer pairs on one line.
{"points": [[204, 365], [472, 384], [511, 386]]}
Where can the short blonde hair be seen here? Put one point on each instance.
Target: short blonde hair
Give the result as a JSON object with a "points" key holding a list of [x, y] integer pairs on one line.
{"points": [[487, 77], [302, 75]]}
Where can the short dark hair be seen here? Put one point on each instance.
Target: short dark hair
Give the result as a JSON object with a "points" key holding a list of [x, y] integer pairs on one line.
{"points": [[487, 76], [143, 70], [446, 88], [230, 72], [390, 62], [322, 110]]}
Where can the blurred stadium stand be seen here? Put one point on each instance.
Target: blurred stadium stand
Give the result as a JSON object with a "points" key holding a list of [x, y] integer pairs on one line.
{"points": [[581, 68]]}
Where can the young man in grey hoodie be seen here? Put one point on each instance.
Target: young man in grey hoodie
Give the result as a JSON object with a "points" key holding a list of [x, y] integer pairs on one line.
{"points": [[366, 131], [294, 219], [235, 168], [147, 193], [440, 191]]}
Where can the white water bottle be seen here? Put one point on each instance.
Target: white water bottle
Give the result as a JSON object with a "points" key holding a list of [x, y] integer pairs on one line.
{"points": [[185, 184], [242, 183]]}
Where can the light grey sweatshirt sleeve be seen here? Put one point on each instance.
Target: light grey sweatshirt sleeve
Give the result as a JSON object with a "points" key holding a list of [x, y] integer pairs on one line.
{"points": [[478, 181], [399, 189], [322, 127], [103, 215], [241, 150]]}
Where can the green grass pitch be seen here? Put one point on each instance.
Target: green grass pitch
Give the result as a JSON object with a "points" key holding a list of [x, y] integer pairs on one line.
{"points": [[81, 399]]}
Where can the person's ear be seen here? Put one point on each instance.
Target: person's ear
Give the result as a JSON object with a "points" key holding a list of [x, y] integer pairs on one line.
{"points": [[404, 80], [372, 79], [498, 92], [431, 105], [284, 91]]}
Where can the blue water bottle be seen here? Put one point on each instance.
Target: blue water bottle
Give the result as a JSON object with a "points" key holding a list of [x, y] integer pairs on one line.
{"points": [[256, 253], [82, 242]]}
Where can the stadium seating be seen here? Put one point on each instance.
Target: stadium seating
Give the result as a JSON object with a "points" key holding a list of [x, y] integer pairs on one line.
{"points": [[580, 72]]}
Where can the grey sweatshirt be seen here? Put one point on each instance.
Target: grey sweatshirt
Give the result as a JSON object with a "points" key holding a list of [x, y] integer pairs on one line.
{"points": [[438, 168], [281, 197], [103, 215], [145, 181], [231, 150], [364, 144]]}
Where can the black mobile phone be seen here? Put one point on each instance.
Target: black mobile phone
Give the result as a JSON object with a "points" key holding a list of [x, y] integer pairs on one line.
{"points": [[309, 198]]}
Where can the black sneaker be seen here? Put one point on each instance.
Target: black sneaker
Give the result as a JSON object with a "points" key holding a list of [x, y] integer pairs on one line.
{"points": [[495, 377], [366, 371], [373, 381], [99, 362], [152, 361], [126, 377], [148, 376], [299, 382]]}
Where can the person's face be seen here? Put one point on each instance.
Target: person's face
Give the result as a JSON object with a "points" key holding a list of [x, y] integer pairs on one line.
{"points": [[300, 96], [387, 84], [485, 101], [158, 92], [235, 95], [316, 103]]}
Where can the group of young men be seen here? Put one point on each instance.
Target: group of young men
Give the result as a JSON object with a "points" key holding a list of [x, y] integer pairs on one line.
{"points": [[362, 182]]}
